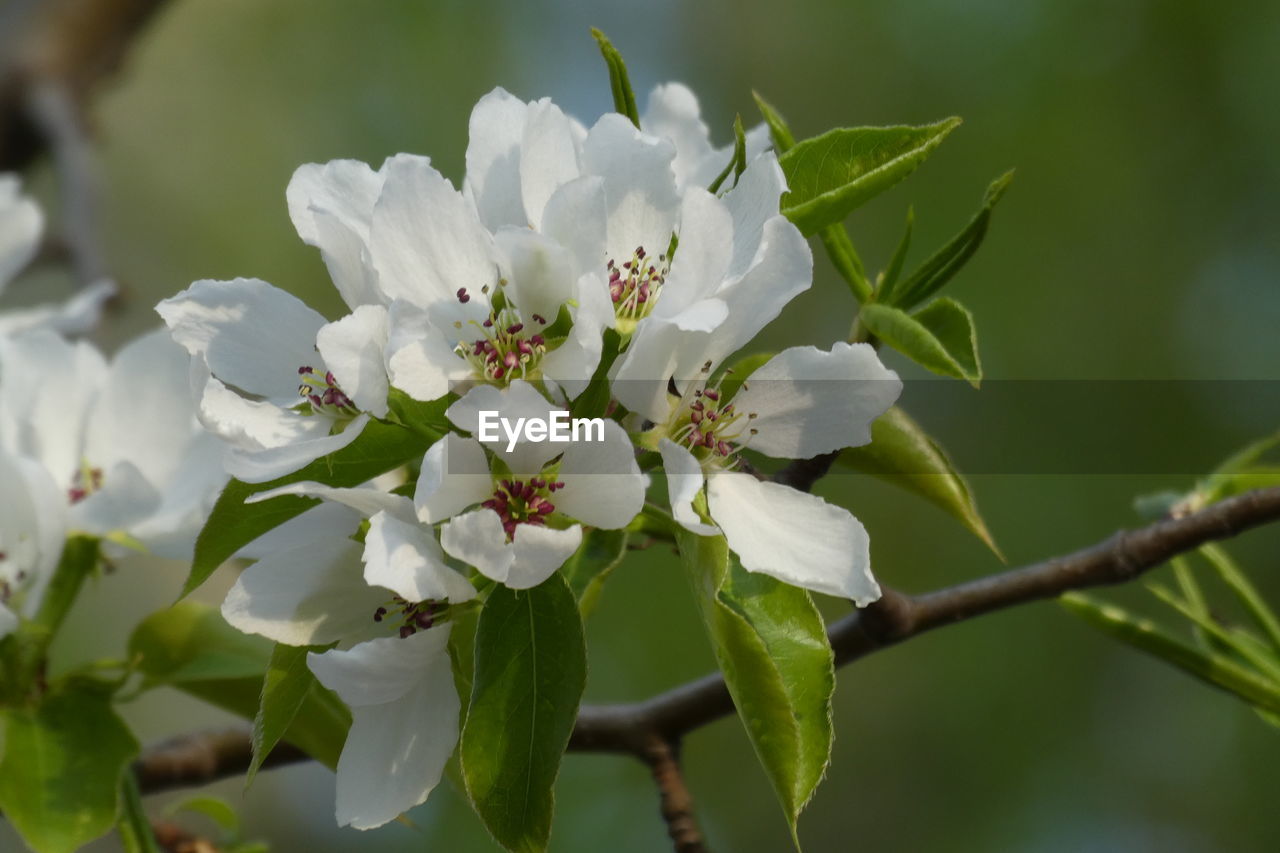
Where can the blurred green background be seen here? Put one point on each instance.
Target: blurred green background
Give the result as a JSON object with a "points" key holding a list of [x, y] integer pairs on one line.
{"points": [[1137, 242]]}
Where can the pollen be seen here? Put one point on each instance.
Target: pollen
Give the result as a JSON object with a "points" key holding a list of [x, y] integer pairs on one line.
{"points": [[634, 286]]}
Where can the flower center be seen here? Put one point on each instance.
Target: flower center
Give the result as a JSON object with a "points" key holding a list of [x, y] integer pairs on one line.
{"points": [[523, 502], [507, 348], [413, 616], [635, 286], [712, 428], [86, 481], [324, 395]]}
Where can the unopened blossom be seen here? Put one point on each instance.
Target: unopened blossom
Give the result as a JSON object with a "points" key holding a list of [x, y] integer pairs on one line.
{"points": [[390, 621], [801, 403], [33, 518], [21, 226], [120, 438], [281, 386]]}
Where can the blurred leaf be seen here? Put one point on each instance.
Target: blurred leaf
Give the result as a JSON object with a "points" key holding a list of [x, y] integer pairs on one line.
{"points": [[939, 336], [1142, 634], [217, 810], [232, 524], [1236, 643], [601, 551], [61, 771], [624, 99], [285, 688], [191, 648], [530, 670], [427, 419], [1244, 590], [947, 261], [132, 823], [1219, 487], [772, 647], [903, 454], [832, 174]]}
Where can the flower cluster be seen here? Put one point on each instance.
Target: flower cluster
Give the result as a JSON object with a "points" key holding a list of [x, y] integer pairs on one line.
{"points": [[88, 447], [578, 269]]}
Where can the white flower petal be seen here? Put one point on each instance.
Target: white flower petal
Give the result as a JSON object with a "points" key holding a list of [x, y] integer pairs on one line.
{"points": [[352, 349], [493, 158], [539, 273], [420, 358], [396, 752], [366, 501], [426, 239], [518, 400], [124, 499], [672, 112], [252, 335], [603, 486], [380, 670], [454, 476], [346, 254], [809, 402], [21, 224], [576, 217], [660, 351], [752, 202], [783, 270], [539, 551], [793, 536], [572, 364], [8, 621], [77, 315], [145, 413], [310, 594], [254, 424], [700, 264], [477, 539], [344, 189], [684, 481], [263, 465], [640, 188], [404, 558], [548, 157]]}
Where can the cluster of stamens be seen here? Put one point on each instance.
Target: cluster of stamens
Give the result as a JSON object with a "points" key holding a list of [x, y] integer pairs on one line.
{"points": [[523, 502], [413, 616], [713, 429], [506, 349], [323, 393], [85, 482], [634, 286]]}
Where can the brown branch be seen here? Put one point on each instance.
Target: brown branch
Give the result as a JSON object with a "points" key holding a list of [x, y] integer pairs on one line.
{"points": [[630, 728], [663, 758]]}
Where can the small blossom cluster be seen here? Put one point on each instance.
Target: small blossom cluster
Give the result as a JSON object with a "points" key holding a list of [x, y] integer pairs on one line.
{"points": [[111, 449], [572, 258]]}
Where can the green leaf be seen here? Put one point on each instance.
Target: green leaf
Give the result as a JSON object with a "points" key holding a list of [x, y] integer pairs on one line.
{"points": [[894, 269], [217, 810], [947, 261], [191, 648], [233, 524], [832, 174], [903, 454], [624, 99], [783, 139], [132, 823], [585, 572], [939, 336], [1214, 669], [772, 647], [737, 160], [530, 670], [61, 771], [285, 688], [1239, 583]]}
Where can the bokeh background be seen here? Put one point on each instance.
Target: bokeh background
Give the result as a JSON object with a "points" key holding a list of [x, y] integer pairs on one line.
{"points": [[1138, 242]]}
